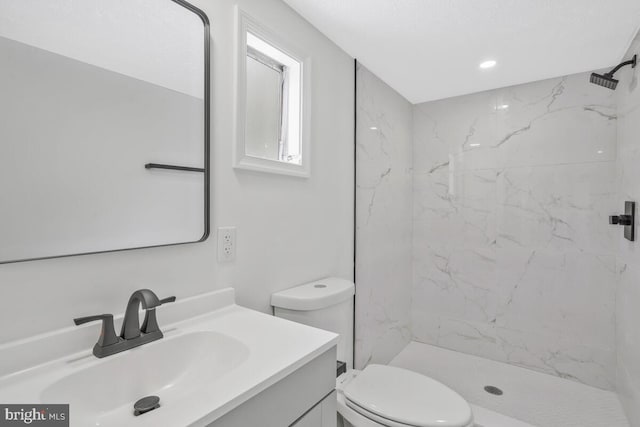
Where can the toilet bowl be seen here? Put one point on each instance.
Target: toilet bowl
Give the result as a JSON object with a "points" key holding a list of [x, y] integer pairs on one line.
{"points": [[394, 397], [378, 395]]}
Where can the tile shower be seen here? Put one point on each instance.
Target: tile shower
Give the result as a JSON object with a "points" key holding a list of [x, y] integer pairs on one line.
{"points": [[482, 227], [383, 220], [512, 250]]}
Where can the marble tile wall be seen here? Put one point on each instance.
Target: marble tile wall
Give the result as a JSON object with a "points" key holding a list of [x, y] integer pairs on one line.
{"points": [[628, 298], [383, 220], [513, 257]]}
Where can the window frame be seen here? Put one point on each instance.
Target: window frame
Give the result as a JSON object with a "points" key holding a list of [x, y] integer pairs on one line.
{"points": [[246, 24]]}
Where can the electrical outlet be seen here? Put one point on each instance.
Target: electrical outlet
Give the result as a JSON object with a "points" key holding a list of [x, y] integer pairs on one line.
{"points": [[226, 244]]}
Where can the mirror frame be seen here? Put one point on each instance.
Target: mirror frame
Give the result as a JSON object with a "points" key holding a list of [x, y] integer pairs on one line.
{"points": [[245, 23], [207, 136]]}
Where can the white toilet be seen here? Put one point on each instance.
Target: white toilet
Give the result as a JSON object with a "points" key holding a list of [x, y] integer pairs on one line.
{"points": [[378, 395]]}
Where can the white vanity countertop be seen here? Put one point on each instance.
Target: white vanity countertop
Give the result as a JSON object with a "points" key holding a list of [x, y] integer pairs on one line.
{"points": [[271, 349]]}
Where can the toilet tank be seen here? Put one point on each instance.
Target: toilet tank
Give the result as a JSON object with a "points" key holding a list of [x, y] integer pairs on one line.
{"points": [[325, 304]]}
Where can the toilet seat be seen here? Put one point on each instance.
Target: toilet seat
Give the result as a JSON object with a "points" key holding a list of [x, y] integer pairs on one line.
{"points": [[397, 397]]}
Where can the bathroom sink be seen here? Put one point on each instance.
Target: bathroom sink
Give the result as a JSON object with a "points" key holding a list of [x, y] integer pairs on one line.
{"points": [[215, 356], [173, 369]]}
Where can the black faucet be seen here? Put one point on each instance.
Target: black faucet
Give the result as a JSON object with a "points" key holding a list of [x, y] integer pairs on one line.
{"points": [[131, 324], [132, 334]]}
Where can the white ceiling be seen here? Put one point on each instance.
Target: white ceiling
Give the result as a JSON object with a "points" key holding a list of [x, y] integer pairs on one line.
{"points": [[431, 49]]}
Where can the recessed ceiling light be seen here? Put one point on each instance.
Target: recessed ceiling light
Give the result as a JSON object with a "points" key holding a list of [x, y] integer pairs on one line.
{"points": [[474, 145], [373, 128], [488, 64], [502, 107]]}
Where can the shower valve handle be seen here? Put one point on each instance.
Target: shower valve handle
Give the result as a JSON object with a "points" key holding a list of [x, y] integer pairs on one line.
{"points": [[627, 220], [620, 219]]}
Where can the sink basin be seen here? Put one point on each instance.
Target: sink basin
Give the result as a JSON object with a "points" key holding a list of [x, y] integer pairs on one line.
{"points": [[173, 368], [214, 357]]}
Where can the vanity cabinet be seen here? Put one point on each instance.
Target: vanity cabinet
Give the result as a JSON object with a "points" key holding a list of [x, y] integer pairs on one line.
{"points": [[324, 414], [304, 398], [218, 365]]}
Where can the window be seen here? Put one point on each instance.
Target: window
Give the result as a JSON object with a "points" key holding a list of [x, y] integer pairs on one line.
{"points": [[271, 107]]}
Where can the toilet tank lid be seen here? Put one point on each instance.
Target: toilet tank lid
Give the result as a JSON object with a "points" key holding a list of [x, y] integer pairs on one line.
{"points": [[315, 295]]}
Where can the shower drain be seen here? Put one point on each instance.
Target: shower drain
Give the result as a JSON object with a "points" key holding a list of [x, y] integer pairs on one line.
{"points": [[493, 390]]}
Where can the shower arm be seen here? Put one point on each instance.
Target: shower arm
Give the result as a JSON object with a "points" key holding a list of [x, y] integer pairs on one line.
{"points": [[631, 62]]}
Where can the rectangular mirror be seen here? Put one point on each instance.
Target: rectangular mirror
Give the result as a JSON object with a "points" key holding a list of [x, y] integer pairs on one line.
{"points": [[104, 136]]}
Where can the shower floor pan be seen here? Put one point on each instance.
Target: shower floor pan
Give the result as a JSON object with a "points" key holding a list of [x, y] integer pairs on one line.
{"points": [[528, 399]]}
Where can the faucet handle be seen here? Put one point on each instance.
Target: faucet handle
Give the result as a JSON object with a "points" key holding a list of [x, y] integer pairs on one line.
{"points": [[168, 299], [107, 334], [150, 323]]}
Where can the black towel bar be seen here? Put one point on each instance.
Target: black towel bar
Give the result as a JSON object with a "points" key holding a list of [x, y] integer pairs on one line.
{"points": [[172, 167]]}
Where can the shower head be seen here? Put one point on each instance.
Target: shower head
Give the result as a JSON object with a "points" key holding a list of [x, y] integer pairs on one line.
{"points": [[606, 79]]}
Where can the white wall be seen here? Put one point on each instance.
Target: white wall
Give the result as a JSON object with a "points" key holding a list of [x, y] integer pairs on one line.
{"points": [[290, 230], [383, 222], [513, 254], [628, 296]]}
